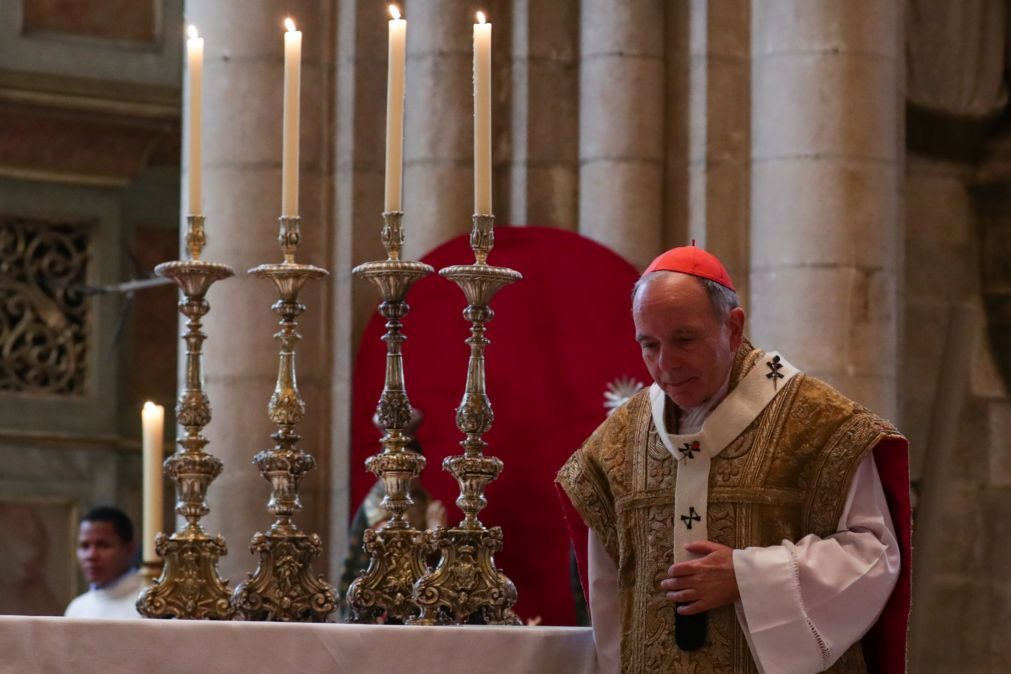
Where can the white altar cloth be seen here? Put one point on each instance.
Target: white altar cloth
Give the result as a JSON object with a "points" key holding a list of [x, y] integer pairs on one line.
{"points": [[56, 645]]}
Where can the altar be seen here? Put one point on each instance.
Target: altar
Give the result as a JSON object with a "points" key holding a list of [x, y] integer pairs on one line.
{"points": [[48, 644]]}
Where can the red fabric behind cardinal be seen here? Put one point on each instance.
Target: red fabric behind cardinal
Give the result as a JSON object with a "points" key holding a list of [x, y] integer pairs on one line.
{"points": [[559, 337]]}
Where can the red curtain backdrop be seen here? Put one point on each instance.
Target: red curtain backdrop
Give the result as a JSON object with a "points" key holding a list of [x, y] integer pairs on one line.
{"points": [[558, 338]]}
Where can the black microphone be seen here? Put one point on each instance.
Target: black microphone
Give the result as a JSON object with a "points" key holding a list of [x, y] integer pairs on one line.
{"points": [[690, 631]]}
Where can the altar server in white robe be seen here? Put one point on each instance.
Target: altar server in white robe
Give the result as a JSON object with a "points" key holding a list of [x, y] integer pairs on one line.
{"points": [[105, 551]]}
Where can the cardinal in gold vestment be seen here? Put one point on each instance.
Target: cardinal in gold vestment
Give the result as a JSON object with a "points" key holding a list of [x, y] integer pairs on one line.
{"points": [[738, 500]]}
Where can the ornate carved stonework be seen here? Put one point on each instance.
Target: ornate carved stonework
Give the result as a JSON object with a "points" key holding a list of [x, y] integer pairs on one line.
{"points": [[43, 317]]}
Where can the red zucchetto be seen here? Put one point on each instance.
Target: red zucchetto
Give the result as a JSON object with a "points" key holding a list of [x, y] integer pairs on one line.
{"points": [[694, 261]]}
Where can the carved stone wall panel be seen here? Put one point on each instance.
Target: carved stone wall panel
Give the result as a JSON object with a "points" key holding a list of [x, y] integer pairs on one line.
{"points": [[119, 20], [50, 480], [123, 41], [43, 312], [38, 545], [84, 151]]}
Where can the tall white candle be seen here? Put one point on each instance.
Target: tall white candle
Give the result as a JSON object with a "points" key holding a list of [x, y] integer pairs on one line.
{"points": [[482, 116], [292, 86], [195, 68], [395, 112], [153, 422]]}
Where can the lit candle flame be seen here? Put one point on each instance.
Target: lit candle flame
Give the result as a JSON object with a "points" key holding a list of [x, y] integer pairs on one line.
{"points": [[394, 12], [480, 17], [290, 25], [191, 31], [149, 405]]}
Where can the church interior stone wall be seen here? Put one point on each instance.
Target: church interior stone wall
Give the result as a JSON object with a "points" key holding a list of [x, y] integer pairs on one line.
{"points": [[848, 161], [89, 198]]}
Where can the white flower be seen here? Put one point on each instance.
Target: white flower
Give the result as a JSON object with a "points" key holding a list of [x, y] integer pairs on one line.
{"points": [[619, 391]]}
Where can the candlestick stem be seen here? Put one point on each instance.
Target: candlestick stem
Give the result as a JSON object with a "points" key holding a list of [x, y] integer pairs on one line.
{"points": [[189, 585], [467, 586], [396, 559], [283, 588]]}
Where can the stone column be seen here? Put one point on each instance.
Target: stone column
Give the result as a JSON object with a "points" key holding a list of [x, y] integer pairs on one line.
{"points": [[826, 175], [954, 403], [621, 126], [542, 172], [719, 133], [360, 149], [676, 123], [439, 124], [243, 74], [940, 274]]}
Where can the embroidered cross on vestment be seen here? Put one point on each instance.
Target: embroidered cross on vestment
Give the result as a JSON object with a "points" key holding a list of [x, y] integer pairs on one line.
{"points": [[692, 516], [774, 369]]}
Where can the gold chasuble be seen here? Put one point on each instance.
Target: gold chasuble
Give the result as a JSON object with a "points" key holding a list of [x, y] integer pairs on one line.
{"points": [[785, 475]]}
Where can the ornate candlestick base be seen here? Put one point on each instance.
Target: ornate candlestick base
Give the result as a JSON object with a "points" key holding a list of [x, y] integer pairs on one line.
{"points": [[396, 556], [282, 588], [189, 585], [466, 586], [383, 592]]}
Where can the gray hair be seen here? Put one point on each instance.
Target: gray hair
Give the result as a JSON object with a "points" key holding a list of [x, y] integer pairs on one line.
{"points": [[721, 298]]}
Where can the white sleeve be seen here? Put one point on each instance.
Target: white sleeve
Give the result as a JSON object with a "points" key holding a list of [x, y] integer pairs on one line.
{"points": [[605, 615], [803, 604]]}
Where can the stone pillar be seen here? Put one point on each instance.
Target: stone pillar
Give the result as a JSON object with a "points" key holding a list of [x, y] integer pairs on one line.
{"points": [[439, 124], [360, 179], [542, 171], [243, 74], [677, 44], [719, 133], [621, 126], [940, 273], [957, 195], [826, 177]]}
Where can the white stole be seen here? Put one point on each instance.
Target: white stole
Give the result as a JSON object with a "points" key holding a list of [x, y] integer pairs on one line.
{"points": [[694, 452]]}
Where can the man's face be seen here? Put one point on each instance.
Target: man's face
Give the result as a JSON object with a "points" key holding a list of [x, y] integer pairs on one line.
{"points": [[103, 556], [687, 350]]}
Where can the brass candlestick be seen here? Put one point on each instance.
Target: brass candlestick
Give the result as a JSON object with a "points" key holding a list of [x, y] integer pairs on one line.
{"points": [[283, 587], [189, 585], [396, 558], [466, 586]]}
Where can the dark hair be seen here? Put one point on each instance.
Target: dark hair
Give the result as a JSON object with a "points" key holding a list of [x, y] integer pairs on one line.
{"points": [[119, 520], [721, 298]]}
